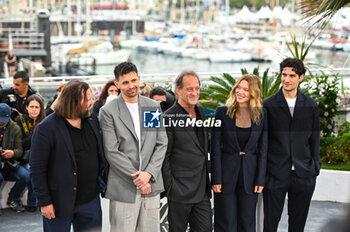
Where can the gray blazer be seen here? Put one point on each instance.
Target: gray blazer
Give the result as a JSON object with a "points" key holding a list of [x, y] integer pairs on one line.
{"points": [[122, 150]]}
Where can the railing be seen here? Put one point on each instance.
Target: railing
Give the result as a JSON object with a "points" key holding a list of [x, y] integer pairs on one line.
{"points": [[157, 78]]}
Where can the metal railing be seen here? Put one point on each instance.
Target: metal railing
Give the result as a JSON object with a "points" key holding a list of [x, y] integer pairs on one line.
{"points": [[156, 78]]}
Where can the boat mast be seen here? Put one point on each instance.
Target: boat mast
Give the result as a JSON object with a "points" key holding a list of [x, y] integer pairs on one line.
{"points": [[273, 18], [69, 21]]}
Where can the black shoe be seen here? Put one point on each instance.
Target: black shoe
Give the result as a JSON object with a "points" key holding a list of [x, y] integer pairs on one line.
{"points": [[15, 206], [0, 212], [31, 209]]}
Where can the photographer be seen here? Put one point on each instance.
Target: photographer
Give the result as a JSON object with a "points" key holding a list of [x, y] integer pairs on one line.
{"points": [[165, 97], [35, 113], [11, 149], [16, 96]]}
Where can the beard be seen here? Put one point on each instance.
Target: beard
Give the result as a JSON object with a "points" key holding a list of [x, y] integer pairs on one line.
{"points": [[86, 114]]}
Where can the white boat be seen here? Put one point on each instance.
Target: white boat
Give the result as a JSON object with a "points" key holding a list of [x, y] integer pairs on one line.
{"points": [[230, 57], [188, 52], [99, 54], [201, 54], [346, 47]]}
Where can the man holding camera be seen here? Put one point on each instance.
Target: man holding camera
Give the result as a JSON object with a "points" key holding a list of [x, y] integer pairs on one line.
{"points": [[16, 96], [11, 149]]}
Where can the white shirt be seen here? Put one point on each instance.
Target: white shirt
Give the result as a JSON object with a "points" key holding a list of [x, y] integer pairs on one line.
{"points": [[291, 104], [134, 112]]}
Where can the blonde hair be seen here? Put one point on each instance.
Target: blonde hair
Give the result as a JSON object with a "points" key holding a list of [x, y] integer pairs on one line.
{"points": [[255, 102]]}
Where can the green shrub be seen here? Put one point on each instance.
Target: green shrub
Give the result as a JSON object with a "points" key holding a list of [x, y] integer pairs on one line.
{"points": [[335, 149], [324, 90]]}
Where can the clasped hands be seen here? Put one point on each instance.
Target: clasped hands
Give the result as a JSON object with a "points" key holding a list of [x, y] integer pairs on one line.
{"points": [[142, 181]]}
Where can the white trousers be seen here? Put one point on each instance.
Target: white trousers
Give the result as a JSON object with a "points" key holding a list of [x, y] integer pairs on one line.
{"points": [[141, 216]]}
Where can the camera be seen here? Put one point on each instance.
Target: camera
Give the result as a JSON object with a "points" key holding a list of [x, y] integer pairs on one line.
{"points": [[11, 98]]}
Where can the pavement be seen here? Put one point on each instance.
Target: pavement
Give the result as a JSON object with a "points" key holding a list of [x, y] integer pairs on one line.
{"points": [[321, 213]]}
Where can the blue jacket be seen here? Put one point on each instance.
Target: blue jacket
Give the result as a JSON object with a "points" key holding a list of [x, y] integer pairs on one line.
{"points": [[53, 167], [225, 154]]}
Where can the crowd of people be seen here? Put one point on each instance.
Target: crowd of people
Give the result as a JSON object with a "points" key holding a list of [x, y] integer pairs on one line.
{"points": [[76, 150]]}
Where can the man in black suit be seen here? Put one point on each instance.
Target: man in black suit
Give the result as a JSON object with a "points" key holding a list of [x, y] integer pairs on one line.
{"points": [[293, 158], [67, 163], [185, 171]]}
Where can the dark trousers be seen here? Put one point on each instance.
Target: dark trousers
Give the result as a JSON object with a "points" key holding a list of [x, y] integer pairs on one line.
{"points": [[299, 191], [235, 211], [197, 215], [85, 217], [22, 178]]}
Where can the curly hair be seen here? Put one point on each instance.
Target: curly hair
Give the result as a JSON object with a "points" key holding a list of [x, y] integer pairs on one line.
{"points": [[104, 93], [255, 102], [296, 65]]}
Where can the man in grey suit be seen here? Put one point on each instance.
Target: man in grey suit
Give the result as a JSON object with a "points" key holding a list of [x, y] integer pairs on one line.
{"points": [[135, 154]]}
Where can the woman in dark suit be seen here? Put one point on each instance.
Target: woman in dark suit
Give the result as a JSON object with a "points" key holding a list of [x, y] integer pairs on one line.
{"points": [[238, 156]]}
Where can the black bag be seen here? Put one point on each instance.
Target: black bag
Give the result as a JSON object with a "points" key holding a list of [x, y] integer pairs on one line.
{"points": [[25, 157], [10, 165]]}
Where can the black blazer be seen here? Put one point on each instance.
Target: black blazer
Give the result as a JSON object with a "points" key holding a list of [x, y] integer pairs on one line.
{"points": [[53, 167], [185, 158], [225, 154], [293, 140]]}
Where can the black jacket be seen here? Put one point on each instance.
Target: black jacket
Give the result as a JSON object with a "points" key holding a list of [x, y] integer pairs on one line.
{"points": [[53, 167], [185, 159], [14, 103], [225, 154], [293, 140]]}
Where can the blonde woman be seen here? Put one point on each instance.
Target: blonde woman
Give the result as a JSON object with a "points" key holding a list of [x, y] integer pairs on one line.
{"points": [[238, 156]]}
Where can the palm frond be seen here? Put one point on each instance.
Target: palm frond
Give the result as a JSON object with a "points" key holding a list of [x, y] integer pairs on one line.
{"points": [[303, 55], [216, 88], [256, 71], [219, 97], [244, 71], [229, 78], [204, 93], [220, 82], [209, 104], [275, 86], [321, 10], [289, 48]]}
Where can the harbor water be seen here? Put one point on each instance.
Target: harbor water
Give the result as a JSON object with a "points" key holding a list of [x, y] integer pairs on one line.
{"points": [[148, 63]]}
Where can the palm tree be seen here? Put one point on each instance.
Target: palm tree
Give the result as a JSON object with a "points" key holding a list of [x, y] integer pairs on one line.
{"points": [[323, 9], [270, 85], [217, 91]]}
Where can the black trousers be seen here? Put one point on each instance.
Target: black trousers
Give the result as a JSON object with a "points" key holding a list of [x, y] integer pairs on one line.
{"points": [[197, 215], [299, 191], [235, 212]]}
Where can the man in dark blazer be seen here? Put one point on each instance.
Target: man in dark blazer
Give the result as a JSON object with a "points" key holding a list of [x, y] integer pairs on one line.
{"points": [[67, 163], [185, 171], [293, 158]]}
